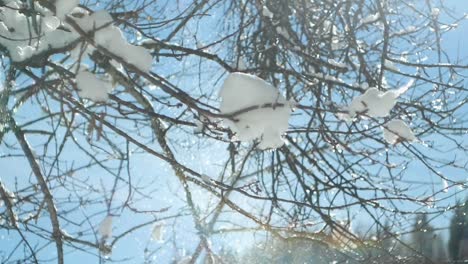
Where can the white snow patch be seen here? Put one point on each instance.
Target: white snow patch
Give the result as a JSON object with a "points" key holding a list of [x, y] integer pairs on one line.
{"points": [[22, 41], [445, 186], [111, 38], [206, 178], [404, 88], [93, 88], [448, 27], [158, 232], [390, 66], [337, 64], [95, 21], [409, 29], [50, 23], [374, 103], [370, 18], [118, 66], [337, 43], [64, 7], [199, 128], [105, 228], [82, 51], [42, 10], [266, 12], [397, 130], [267, 124], [283, 32]]}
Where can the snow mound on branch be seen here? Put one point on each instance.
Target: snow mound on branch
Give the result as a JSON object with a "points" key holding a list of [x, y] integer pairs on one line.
{"points": [[266, 12], [105, 228], [269, 116], [23, 38], [370, 19], [63, 7], [27, 36], [95, 21], [50, 23], [158, 233], [374, 103], [397, 130], [112, 39], [93, 88], [446, 186]]}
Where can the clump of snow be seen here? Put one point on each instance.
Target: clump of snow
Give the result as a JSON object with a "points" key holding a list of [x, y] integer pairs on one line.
{"points": [[408, 30], [158, 232], [64, 7], [397, 130], [448, 27], [337, 43], [93, 88], [199, 128], [206, 178], [266, 12], [82, 51], [390, 65], [22, 41], [445, 185], [50, 23], [105, 228], [374, 103], [370, 18], [337, 64], [266, 122], [111, 38], [283, 32], [95, 21]]}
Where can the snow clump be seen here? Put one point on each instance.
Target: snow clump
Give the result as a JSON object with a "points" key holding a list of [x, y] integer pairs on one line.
{"points": [[397, 130], [24, 39], [64, 7], [374, 103], [105, 228], [157, 234], [112, 39], [268, 119], [93, 88], [266, 12]]}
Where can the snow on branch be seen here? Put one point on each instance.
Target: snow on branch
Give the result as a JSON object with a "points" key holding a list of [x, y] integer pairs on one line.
{"points": [[267, 124], [374, 103]]}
